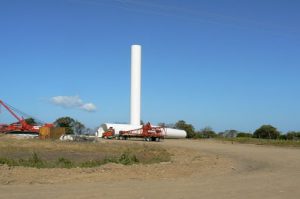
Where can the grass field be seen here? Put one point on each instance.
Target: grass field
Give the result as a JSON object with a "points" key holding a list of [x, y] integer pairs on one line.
{"points": [[282, 143], [57, 154]]}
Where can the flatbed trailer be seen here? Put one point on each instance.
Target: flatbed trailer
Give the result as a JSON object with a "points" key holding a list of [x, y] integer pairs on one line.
{"points": [[147, 132]]}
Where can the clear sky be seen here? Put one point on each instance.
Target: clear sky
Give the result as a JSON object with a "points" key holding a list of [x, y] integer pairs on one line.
{"points": [[227, 64]]}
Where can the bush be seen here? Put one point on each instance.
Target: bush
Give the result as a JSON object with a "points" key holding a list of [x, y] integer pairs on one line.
{"points": [[266, 132], [207, 132], [283, 137], [293, 135], [190, 130], [64, 163], [244, 135], [128, 159]]}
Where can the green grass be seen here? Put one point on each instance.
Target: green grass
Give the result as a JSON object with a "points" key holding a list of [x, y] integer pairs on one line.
{"points": [[36, 162], [282, 143], [56, 154]]}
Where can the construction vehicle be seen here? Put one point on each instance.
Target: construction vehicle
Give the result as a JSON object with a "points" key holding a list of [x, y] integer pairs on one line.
{"points": [[109, 134], [147, 132], [21, 126]]}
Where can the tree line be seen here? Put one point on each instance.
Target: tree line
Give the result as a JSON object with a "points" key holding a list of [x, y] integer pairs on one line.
{"points": [[263, 132], [71, 125]]}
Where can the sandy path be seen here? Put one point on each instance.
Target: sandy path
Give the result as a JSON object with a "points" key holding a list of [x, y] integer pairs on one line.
{"points": [[200, 169]]}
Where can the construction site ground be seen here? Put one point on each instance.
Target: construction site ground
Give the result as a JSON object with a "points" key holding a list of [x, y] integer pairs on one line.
{"points": [[198, 169]]}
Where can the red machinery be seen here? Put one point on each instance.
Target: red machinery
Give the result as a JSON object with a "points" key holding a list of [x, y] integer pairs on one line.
{"points": [[20, 126], [148, 132], [109, 134]]}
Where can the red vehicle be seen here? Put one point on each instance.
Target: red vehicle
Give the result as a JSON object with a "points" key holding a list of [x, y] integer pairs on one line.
{"points": [[20, 126], [147, 132], [109, 134]]}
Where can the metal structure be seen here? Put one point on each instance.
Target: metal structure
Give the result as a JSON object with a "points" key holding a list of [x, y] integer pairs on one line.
{"points": [[169, 132], [21, 125], [134, 128], [109, 134], [135, 99], [147, 132]]}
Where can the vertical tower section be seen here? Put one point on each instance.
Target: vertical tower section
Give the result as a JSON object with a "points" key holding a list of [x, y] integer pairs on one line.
{"points": [[135, 98]]}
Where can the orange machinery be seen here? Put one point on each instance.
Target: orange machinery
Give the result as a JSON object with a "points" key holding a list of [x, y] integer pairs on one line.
{"points": [[21, 125], [109, 134], [147, 132]]}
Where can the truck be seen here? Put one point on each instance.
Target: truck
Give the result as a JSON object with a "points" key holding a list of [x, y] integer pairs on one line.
{"points": [[109, 134]]}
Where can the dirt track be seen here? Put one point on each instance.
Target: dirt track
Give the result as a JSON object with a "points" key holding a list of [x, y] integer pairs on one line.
{"points": [[199, 169]]}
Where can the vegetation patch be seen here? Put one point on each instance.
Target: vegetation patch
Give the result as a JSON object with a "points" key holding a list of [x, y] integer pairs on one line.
{"points": [[56, 154], [278, 142], [37, 162]]}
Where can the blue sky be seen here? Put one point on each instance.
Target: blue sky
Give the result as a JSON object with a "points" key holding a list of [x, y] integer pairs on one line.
{"points": [[227, 64]]}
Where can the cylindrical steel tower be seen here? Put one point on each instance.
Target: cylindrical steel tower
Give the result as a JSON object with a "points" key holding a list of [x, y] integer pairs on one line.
{"points": [[135, 99]]}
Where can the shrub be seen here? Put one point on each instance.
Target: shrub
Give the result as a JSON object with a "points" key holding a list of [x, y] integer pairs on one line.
{"points": [[64, 163], [244, 135], [293, 135], [207, 132], [283, 137], [190, 130], [266, 132], [128, 159]]}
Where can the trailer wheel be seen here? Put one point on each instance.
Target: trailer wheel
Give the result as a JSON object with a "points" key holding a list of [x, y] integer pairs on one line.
{"points": [[157, 139]]}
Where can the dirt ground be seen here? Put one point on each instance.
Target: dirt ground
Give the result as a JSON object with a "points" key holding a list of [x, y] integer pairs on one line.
{"points": [[199, 169]]}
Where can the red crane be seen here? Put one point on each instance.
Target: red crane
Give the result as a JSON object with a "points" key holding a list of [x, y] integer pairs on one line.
{"points": [[20, 126]]}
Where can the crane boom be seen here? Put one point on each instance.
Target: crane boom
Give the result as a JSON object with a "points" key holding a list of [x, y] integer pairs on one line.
{"points": [[21, 125], [11, 112]]}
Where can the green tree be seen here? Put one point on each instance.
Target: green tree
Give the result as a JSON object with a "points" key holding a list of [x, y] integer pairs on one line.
{"points": [[266, 132], [66, 122], [189, 128], [207, 132], [293, 135], [283, 137], [72, 126], [230, 133], [30, 121], [78, 127], [244, 135]]}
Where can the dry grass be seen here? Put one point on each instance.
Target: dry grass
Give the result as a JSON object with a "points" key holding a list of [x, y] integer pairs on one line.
{"points": [[281, 143], [49, 153]]}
